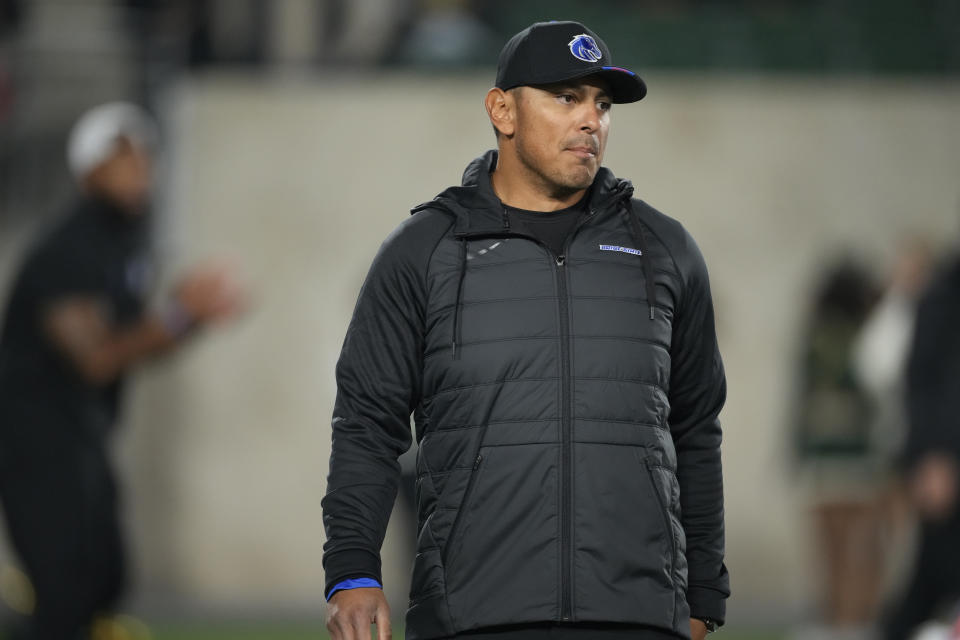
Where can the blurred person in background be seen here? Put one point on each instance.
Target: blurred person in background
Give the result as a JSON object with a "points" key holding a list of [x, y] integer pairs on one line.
{"points": [[554, 339], [931, 456], [837, 462], [880, 353], [75, 324], [882, 346]]}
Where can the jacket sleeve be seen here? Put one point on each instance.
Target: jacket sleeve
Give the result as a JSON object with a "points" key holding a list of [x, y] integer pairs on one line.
{"points": [[378, 386], [697, 393]]}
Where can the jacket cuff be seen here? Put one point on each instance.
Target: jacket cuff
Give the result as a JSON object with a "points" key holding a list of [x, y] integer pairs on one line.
{"points": [[353, 583], [707, 603], [349, 563]]}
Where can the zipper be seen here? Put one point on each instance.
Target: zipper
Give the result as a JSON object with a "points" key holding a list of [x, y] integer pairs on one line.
{"points": [[566, 432], [566, 503], [464, 504]]}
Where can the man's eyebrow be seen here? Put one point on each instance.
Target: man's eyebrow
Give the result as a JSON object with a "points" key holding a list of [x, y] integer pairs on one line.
{"points": [[569, 85]]}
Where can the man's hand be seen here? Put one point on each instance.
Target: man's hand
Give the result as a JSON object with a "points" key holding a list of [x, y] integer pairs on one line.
{"points": [[934, 486], [350, 613], [211, 292], [698, 630]]}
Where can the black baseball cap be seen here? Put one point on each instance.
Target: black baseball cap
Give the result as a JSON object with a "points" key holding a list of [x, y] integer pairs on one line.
{"points": [[547, 52]]}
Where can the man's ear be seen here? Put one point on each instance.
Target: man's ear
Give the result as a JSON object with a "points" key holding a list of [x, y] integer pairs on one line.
{"points": [[502, 108]]}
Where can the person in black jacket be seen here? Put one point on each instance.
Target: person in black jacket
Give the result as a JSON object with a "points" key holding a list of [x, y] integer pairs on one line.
{"points": [[931, 456], [76, 323], [554, 339]]}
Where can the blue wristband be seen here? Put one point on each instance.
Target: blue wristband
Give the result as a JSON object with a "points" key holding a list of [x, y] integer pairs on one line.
{"points": [[354, 583]]}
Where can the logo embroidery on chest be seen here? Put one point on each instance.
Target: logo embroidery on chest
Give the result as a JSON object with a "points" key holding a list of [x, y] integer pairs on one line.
{"points": [[472, 255], [613, 247]]}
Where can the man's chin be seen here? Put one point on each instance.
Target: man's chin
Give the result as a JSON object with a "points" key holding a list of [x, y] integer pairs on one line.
{"points": [[581, 179]]}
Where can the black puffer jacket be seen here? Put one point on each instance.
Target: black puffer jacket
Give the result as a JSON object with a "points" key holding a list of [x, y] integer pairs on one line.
{"points": [[569, 463]]}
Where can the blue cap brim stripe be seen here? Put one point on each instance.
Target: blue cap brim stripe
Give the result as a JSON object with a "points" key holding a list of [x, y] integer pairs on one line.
{"points": [[619, 69]]}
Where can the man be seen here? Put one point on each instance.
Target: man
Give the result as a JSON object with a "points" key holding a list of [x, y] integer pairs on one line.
{"points": [[554, 339], [75, 325], [932, 456]]}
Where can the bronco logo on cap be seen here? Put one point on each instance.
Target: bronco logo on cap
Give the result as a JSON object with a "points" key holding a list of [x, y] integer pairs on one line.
{"points": [[585, 48]]}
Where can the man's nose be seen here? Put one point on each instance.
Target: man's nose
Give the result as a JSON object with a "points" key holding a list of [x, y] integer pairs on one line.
{"points": [[590, 118]]}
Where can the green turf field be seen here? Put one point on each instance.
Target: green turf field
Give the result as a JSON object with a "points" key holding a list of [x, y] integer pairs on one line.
{"points": [[226, 631], [293, 633], [245, 632]]}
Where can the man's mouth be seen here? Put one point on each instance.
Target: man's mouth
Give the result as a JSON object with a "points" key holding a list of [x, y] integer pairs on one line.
{"points": [[583, 152]]}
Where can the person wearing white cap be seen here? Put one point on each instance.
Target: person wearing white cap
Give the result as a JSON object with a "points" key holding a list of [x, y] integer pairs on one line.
{"points": [[76, 323]]}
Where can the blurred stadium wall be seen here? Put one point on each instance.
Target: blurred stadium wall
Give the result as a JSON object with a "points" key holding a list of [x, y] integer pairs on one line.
{"points": [[227, 445]]}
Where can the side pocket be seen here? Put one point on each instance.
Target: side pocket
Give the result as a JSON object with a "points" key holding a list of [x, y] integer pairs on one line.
{"points": [[464, 507], [659, 491], [427, 579]]}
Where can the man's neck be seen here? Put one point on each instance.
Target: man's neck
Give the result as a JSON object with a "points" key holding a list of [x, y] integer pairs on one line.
{"points": [[517, 187], [118, 206]]}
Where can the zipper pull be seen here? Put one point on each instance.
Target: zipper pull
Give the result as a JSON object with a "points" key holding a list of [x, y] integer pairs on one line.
{"points": [[476, 465], [561, 260]]}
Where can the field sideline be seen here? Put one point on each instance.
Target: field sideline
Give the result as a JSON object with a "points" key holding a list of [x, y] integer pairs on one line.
{"points": [[227, 631]]}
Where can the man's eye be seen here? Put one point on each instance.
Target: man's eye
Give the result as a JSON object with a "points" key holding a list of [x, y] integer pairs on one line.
{"points": [[565, 98], [604, 106]]}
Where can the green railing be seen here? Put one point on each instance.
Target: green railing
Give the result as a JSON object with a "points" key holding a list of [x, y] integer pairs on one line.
{"points": [[876, 36]]}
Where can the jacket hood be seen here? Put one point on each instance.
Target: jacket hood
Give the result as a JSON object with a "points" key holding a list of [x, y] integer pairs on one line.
{"points": [[479, 211]]}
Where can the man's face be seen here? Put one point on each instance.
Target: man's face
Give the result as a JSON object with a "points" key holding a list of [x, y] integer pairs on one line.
{"points": [[561, 132], [124, 177]]}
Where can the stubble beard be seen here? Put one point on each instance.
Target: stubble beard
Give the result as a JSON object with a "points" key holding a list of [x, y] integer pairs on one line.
{"points": [[555, 182]]}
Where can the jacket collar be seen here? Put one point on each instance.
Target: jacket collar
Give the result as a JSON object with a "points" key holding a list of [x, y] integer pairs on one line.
{"points": [[478, 211]]}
